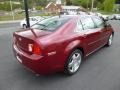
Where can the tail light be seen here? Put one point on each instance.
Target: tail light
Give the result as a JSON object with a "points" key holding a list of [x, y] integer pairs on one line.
{"points": [[14, 39], [34, 48]]}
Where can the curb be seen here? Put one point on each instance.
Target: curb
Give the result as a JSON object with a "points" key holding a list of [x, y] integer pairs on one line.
{"points": [[4, 22]]}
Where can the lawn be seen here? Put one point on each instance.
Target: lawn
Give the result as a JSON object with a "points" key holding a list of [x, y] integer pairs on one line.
{"points": [[9, 17]]}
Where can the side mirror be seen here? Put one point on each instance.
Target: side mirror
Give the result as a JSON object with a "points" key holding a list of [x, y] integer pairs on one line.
{"points": [[107, 24], [106, 19]]}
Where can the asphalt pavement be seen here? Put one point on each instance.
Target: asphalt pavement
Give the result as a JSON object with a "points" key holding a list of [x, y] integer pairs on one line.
{"points": [[99, 71]]}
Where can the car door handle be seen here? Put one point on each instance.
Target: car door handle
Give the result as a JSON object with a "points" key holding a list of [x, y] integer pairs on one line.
{"points": [[100, 31]]}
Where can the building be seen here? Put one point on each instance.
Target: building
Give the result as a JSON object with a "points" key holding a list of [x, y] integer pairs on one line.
{"points": [[54, 8], [73, 8], [58, 7]]}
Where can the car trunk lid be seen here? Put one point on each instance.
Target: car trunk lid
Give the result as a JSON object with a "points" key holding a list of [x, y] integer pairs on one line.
{"points": [[24, 38]]}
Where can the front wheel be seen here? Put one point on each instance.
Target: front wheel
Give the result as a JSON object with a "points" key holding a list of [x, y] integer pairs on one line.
{"points": [[74, 62], [109, 43]]}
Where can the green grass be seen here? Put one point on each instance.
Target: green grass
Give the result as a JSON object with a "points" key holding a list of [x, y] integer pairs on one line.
{"points": [[8, 17]]}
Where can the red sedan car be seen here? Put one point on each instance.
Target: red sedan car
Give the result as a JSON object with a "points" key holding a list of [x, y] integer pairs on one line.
{"points": [[61, 43]]}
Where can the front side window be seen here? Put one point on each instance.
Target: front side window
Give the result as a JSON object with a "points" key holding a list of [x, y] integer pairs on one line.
{"points": [[98, 22], [87, 23]]}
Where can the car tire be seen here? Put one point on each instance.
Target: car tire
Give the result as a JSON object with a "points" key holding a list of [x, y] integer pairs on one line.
{"points": [[73, 63], [109, 43], [24, 26]]}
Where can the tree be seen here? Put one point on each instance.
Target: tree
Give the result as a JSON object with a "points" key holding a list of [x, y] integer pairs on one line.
{"points": [[42, 3], [109, 5], [6, 6], [84, 3], [100, 6], [68, 2]]}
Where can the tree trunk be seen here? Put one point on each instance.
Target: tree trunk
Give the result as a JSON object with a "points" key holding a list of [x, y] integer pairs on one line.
{"points": [[68, 2]]}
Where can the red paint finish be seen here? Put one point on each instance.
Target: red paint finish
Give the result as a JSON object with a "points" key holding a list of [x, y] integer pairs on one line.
{"points": [[53, 48]]}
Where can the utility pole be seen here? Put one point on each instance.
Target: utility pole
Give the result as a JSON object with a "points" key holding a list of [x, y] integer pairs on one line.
{"points": [[12, 13], [27, 13], [92, 5]]}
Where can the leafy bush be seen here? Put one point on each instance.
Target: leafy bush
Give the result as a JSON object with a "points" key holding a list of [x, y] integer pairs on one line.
{"points": [[6, 6], [38, 8]]}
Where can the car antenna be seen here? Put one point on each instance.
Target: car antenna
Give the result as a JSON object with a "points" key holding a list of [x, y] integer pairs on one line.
{"points": [[33, 32]]}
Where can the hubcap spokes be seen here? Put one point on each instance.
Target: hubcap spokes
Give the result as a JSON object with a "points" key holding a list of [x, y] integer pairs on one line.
{"points": [[75, 62], [110, 40]]}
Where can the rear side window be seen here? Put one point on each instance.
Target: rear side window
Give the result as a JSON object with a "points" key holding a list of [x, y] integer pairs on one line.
{"points": [[87, 23], [50, 24], [98, 22], [79, 26]]}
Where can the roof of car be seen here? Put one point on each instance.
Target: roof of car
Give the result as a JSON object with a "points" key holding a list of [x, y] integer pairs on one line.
{"points": [[68, 17], [81, 16]]}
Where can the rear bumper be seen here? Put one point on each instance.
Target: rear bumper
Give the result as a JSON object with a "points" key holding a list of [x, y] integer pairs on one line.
{"points": [[37, 63]]}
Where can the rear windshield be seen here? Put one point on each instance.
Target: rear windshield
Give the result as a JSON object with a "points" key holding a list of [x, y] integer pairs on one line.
{"points": [[50, 24]]}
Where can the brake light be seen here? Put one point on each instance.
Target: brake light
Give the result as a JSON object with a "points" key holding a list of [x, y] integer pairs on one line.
{"points": [[34, 48]]}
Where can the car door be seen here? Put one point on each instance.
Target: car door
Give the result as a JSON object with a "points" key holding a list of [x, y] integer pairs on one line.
{"points": [[91, 35], [100, 26]]}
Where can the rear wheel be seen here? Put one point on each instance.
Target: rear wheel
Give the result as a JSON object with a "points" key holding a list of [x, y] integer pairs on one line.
{"points": [[109, 43], [74, 62]]}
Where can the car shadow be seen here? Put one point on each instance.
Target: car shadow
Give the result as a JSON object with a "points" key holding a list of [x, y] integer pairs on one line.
{"points": [[94, 54]]}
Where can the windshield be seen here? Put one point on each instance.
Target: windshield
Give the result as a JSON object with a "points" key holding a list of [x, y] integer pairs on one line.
{"points": [[50, 24]]}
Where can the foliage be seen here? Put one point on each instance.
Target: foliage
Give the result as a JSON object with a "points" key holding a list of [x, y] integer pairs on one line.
{"points": [[106, 5], [41, 2], [6, 6], [38, 8], [109, 5], [100, 6], [68, 2]]}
